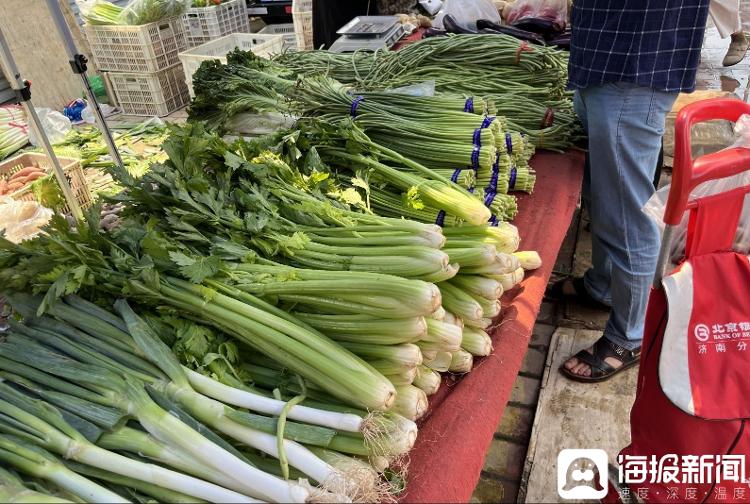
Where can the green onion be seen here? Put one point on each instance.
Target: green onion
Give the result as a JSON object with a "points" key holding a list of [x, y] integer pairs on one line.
{"points": [[43, 425], [41, 464]]}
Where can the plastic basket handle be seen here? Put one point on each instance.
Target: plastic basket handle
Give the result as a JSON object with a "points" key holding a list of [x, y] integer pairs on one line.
{"points": [[688, 172]]}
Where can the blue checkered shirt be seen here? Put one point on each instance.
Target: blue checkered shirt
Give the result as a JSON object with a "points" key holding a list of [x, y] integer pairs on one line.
{"points": [[652, 43]]}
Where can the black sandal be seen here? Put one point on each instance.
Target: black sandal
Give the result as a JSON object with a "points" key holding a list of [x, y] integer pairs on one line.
{"points": [[556, 291], [600, 369]]}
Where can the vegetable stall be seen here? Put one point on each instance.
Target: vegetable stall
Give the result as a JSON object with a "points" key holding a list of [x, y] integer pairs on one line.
{"points": [[292, 317]]}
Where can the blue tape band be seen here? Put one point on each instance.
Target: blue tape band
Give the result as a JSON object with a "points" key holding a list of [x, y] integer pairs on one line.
{"points": [[512, 180], [440, 218], [493, 220], [355, 104], [477, 137], [487, 121], [508, 143], [469, 105], [493, 180], [456, 173], [475, 157], [489, 197]]}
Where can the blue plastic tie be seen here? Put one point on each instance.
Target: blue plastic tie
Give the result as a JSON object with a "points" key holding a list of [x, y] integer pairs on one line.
{"points": [[475, 156], [477, 137], [489, 197], [355, 104], [440, 218], [469, 105], [512, 180]]}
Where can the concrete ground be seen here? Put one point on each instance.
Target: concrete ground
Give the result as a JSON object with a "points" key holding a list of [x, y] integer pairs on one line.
{"points": [[520, 463]]}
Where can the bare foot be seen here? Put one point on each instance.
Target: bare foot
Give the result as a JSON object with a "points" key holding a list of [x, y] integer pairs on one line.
{"points": [[582, 369]]}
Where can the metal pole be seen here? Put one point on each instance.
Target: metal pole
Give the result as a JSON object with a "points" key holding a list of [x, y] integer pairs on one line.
{"points": [[24, 97], [664, 250], [78, 64]]}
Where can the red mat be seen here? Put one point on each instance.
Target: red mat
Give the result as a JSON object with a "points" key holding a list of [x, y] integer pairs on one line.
{"points": [[456, 432]]}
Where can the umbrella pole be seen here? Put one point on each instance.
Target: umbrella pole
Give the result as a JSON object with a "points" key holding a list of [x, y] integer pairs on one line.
{"points": [[23, 93]]}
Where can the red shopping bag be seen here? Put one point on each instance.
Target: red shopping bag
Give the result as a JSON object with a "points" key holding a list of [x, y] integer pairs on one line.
{"points": [[689, 438]]}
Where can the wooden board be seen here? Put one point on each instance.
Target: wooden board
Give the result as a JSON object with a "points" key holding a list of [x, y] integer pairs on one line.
{"points": [[39, 51], [574, 415]]}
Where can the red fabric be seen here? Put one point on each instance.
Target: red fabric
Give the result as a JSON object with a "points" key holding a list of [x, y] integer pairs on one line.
{"points": [[658, 428], [719, 355], [456, 432], [713, 222], [415, 36]]}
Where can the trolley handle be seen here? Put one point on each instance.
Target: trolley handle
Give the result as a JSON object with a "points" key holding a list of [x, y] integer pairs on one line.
{"points": [[688, 173]]}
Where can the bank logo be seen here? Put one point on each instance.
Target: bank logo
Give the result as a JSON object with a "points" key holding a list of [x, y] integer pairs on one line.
{"points": [[702, 332], [582, 474]]}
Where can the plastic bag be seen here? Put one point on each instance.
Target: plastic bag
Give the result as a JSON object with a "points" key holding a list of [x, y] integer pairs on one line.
{"points": [[467, 12], [139, 12], [22, 220], [426, 88], [56, 126], [431, 6], [553, 11], [87, 115], [74, 109], [657, 203]]}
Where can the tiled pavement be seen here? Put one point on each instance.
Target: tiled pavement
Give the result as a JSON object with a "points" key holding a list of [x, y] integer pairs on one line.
{"points": [[502, 472]]}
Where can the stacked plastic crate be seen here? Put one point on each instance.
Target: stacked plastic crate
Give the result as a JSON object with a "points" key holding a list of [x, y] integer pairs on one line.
{"points": [[303, 23], [286, 30], [142, 65], [204, 24]]}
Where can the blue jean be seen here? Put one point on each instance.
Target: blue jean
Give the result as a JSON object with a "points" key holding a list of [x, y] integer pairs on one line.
{"points": [[625, 124]]}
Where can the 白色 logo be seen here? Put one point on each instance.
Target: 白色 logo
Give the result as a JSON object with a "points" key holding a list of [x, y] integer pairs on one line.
{"points": [[582, 474], [701, 332]]}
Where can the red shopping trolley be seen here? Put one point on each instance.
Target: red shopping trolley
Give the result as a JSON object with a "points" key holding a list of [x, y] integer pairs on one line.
{"points": [[689, 422]]}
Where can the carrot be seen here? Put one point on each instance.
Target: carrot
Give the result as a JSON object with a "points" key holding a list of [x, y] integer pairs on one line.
{"points": [[35, 176], [25, 172], [28, 178], [15, 186]]}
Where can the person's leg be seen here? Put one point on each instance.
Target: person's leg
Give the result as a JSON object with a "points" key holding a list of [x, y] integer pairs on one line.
{"points": [[737, 49], [726, 16], [625, 123], [597, 279]]}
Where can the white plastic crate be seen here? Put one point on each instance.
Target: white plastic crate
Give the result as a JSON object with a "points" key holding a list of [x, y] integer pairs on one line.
{"points": [[302, 5], [262, 45], [286, 30], [303, 23], [203, 24], [145, 48], [150, 94]]}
